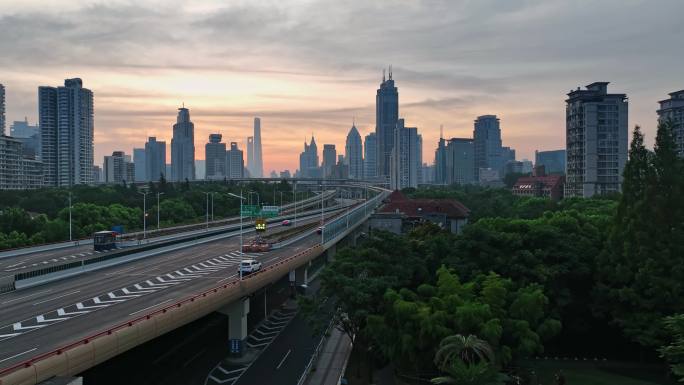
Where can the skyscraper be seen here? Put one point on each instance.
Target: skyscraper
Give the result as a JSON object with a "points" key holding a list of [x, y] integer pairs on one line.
{"points": [[308, 161], [596, 140], [2, 109], [460, 161], [258, 168], [155, 159], [672, 110], [235, 163], [386, 116], [183, 147], [66, 131], [405, 157], [29, 136], [553, 161], [329, 159], [140, 163], [441, 162], [215, 154], [370, 156], [487, 143], [353, 154]]}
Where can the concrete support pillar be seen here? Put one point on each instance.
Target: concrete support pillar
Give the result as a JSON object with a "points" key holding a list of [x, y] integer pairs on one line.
{"points": [[302, 275], [237, 318]]}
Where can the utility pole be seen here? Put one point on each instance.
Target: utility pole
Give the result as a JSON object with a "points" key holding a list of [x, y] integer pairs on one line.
{"points": [[70, 238], [158, 194], [144, 194], [207, 210]]}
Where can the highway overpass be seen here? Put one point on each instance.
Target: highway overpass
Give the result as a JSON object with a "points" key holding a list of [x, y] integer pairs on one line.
{"points": [[68, 326]]}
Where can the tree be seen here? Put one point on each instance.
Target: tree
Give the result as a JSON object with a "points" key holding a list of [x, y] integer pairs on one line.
{"points": [[466, 360], [642, 271], [674, 352]]}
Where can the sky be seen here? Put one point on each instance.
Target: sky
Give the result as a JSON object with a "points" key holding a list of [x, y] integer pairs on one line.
{"points": [[313, 67]]}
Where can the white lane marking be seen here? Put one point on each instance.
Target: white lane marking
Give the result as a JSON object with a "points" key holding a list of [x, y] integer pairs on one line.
{"points": [[50, 299], [224, 279], [150, 307], [17, 355], [26, 296], [194, 357], [17, 264], [284, 358]]}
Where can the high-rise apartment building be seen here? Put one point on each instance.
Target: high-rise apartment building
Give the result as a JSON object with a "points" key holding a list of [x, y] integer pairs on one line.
{"points": [[2, 109], [596, 141], [66, 133], [215, 156], [672, 110], [460, 161], [183, 147], [353, 151], [97, 174], [405, 160], [487, 142], [386, 117], [235, 162], [370, 156], [329, 160], [18, 172], [140, 162], [257, 169], [155, 159], [118, 169], [308, 161], [553, 161]]}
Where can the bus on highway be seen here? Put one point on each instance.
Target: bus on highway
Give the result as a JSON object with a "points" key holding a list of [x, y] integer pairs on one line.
{"points": [[104, 240]]}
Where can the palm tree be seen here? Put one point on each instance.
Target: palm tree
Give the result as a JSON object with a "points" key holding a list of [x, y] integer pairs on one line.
{"points": [[466, 360]]}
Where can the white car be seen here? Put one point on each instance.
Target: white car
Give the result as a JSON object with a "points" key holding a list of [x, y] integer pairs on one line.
{"points": [[249, 266]]}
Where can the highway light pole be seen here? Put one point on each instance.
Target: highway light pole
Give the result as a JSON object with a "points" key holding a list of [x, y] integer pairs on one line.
{"points": [[241, 199], [207, 210], [70, 238], [144, 194], [158, 194], [294, 194]]}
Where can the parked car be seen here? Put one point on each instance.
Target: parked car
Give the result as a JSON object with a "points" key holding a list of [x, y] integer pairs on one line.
{"points": [[286, 222], [249, 266]]}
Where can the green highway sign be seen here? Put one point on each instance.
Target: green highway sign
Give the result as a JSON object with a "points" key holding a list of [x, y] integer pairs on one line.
{"points": [[250, 210], [270, 211]]}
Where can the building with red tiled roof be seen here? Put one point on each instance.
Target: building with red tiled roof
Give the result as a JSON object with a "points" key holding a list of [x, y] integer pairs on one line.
{"points": [[540, 185], [399, 213]]}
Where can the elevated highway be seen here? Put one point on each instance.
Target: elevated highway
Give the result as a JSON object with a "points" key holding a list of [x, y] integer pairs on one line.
{"points": [[66, 327]]}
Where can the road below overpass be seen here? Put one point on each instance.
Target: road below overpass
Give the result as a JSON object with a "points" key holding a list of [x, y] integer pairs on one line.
{"points": [[42, 318]]}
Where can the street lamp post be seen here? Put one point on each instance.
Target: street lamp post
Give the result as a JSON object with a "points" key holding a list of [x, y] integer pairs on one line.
{"points": [[70, 237], [294, 195], [144, 194], [158, 194], [207, 210], [241, 199]]}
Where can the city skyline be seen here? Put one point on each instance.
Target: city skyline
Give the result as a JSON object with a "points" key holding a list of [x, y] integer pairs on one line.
{"points": [[444, 68]]}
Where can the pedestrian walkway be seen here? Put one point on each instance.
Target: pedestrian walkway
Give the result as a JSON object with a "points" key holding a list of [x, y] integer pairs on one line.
{"points": [[331, 361]]}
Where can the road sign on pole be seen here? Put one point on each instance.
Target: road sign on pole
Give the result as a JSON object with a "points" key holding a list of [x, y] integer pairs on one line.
{"points": [[270, 211], [250, 210]]}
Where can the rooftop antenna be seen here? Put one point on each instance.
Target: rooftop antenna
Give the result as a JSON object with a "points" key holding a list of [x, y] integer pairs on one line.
{"points": [[441, 131], [383, 75], [353, 121], [390, 72]]}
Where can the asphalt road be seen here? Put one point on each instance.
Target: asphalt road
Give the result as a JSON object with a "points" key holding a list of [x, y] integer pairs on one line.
{"points": [[86, 304], [285, 359]]}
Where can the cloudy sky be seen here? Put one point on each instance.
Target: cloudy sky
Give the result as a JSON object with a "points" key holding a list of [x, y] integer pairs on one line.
{"points": [[309, 66]]}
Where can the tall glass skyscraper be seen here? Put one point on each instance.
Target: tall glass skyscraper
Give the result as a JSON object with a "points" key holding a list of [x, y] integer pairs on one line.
{"points": [[487, 144], [155, 159], [353, 154], [215, 155], [66, 129], [183, 147], [386, 117], [257, 169], [370, 156]]}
